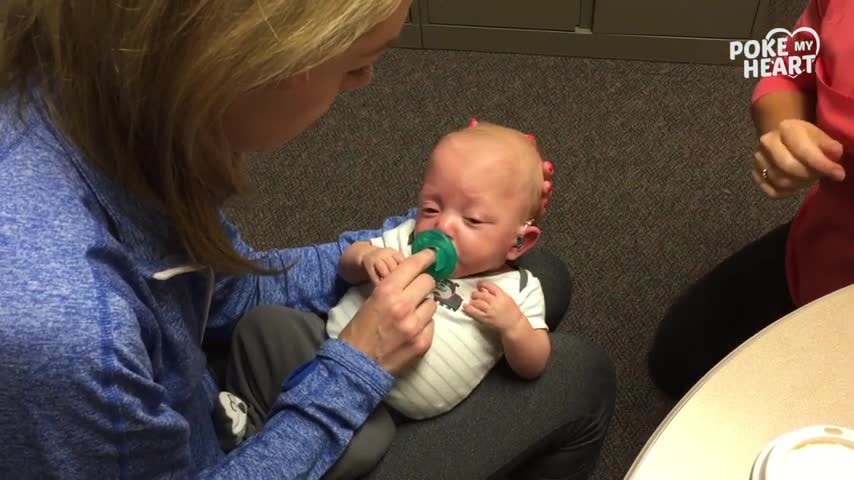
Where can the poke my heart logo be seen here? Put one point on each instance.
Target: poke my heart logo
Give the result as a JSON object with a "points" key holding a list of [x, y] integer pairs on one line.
{"points": [[780, 53]]}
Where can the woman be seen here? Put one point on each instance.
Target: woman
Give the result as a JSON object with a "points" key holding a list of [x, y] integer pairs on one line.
{"points": [[805, 131], [123, 129]]}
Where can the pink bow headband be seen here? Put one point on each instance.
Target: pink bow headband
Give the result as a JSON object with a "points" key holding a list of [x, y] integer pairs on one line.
{"points": [[548, 169]]}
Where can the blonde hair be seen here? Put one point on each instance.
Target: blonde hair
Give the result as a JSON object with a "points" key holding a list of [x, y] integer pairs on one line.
{"points": [[526, 150], [141, 86]]}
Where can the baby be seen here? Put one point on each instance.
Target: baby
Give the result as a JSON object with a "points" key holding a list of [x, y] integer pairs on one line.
{"points": [[484, 189]]}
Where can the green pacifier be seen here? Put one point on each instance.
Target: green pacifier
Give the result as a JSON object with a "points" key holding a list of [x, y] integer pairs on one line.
{"points": [[446, 254]]}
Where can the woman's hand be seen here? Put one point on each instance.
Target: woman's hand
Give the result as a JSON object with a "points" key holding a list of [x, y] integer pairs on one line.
{"points": [[395, 325], [794, 156], [548, 175]]}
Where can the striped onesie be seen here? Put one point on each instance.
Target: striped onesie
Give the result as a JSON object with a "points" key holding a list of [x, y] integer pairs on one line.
{"points": [[463, 350]]}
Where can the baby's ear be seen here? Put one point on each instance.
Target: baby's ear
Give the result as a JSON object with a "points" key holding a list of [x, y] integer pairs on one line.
{"points": [[524, 242]]}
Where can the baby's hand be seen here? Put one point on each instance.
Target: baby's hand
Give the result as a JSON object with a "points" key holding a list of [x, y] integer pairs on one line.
{"points": [[380, 262], [492, 306]]}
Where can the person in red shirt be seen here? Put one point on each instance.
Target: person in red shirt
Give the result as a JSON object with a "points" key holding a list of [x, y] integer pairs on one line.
{"points": [[805, 127]]}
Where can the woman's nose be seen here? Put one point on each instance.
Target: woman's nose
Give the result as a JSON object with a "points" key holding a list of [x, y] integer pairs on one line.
{"points": [[357, 80]]}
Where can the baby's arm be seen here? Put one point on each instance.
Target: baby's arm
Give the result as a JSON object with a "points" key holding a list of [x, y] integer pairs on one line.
{"points": [[362, 261], [527, 349]]}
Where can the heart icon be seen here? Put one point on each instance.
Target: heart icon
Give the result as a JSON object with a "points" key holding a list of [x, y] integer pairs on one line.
{"points": [[775, 31]]}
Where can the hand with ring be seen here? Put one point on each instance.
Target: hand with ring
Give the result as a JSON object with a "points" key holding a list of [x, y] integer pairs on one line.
{"points": [[794, 156]]}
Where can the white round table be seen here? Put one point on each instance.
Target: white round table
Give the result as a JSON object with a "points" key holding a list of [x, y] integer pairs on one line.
{"points": [[798, 371]]}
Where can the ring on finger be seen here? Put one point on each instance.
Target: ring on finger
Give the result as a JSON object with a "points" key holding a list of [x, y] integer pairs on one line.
{"points": [[765, 174]]}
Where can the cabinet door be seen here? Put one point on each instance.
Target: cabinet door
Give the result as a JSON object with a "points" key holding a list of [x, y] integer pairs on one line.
{"points": [[534, 14], [410, 35], [680, 18]]}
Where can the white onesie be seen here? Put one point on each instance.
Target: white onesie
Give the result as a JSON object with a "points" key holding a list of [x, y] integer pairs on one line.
{"points": [[463, 350]]}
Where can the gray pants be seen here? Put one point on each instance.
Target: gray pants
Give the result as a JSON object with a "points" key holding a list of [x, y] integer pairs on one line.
{"points": [[270, 343], [550, 428]]}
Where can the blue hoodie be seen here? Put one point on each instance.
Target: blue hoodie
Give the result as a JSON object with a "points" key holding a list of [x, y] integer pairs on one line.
{"points": [[101, 370]]}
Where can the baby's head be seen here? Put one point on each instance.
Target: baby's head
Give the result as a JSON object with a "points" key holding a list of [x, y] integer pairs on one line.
{"points": [[484, 189]]}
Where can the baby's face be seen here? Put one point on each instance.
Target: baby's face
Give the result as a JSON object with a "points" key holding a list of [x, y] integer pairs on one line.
{"points": [[479, 196]]}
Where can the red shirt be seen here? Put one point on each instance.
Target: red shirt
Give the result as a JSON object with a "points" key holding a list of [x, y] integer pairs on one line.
{"points": [[820, 249]]}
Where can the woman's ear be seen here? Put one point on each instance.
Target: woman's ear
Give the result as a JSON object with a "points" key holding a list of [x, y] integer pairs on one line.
{"points": [[526, 240]]}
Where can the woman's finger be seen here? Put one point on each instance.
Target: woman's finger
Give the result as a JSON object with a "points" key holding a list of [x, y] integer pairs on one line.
{"points": [[548, 176], [798, 141], [781, 164], [403, 354], [832, 148], [410, 269], [424, 314], [781, 181], [415, 292], [424, 339], [548, 171], [420, 318], [768, 173], [769, 189]]}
